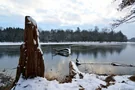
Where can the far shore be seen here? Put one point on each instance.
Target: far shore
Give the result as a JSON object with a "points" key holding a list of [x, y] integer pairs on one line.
{"points": [[70, 43]]}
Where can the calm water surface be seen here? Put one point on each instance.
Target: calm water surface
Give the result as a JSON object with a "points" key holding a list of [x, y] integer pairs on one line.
{"points": [[57, 66]]}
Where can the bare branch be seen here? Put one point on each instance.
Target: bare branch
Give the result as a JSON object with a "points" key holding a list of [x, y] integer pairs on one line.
{"points": [[126, 3], [126, 19], [131, 21]]}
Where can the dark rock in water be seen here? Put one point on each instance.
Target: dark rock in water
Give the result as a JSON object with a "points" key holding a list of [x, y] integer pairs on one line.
{"points": [[77, 62], [113, 64], [62, 52], [31, 63]]}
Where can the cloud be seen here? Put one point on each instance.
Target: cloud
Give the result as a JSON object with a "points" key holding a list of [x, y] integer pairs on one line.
{"points": [[60, 13], [67, 12]]}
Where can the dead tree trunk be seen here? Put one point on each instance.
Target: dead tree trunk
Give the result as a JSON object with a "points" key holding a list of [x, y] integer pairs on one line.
{"points": [[31, 63]]}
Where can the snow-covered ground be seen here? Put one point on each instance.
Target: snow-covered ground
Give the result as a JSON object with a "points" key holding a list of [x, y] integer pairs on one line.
{"points": [[74, 43], [88, 82], [11, 43]]}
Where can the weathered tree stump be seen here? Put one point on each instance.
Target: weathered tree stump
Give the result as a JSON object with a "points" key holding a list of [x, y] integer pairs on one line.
{"points": [[31, 63]]}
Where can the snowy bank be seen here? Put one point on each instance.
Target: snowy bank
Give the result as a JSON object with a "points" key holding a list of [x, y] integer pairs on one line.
{"points": [[87, 82], [10, 43], [69, 43]]}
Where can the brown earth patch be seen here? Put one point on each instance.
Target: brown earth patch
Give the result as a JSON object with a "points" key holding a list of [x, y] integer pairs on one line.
{"points": [[132, 78]]}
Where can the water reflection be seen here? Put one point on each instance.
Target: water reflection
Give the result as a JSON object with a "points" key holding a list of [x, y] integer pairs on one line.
{"points": [[96, 50], [132, 45], [91, 50], [10, 51], [106, 69], [58, 66]]}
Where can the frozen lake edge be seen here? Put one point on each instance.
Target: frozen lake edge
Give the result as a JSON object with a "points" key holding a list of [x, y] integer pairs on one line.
{"points": [[70, 43]]}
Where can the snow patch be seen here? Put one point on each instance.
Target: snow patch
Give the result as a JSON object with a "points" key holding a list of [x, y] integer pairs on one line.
{"points": [[37, 32], [75, 67], [88, 82], [34, 42], [32, 20], [69, 50], [28, 22]]}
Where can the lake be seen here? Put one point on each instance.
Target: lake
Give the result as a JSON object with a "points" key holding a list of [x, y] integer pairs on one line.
{"points": [[93, 58]]}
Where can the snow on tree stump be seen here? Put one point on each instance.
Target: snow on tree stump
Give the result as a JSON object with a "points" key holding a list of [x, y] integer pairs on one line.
{"points": [[31, 63], [74, 71]]}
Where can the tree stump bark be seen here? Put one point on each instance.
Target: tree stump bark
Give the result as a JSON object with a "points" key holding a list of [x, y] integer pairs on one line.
{"points": [[31, 63]]}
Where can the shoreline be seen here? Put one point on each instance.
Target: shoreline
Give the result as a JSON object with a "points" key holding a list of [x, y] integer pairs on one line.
{"points": [[7, 81], [69, 43], [78, 80]]}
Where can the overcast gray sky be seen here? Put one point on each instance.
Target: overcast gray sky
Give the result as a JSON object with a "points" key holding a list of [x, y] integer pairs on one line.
{"points": [[53, 14]]}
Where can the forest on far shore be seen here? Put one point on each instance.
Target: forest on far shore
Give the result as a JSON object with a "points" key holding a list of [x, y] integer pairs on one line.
{"points": [[12, 34]]}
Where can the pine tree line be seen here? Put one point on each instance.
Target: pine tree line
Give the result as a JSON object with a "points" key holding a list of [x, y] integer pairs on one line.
{"points": [[12, 34]]}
